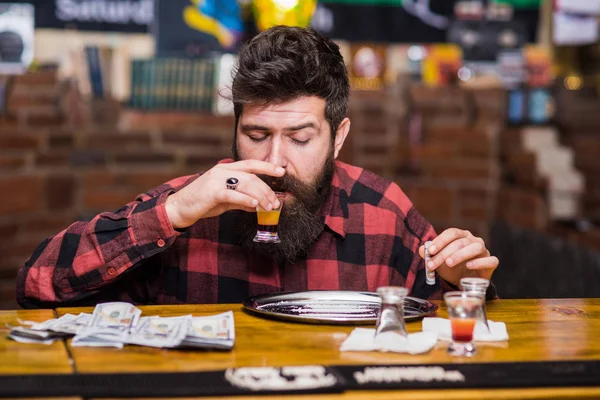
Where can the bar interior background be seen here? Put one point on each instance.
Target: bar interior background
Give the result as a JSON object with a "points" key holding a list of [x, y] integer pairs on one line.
{"points": [[485, 113]]}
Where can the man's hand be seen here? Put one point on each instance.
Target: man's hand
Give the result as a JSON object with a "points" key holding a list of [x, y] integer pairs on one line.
{"points": [[456, 254], [208, 195]]}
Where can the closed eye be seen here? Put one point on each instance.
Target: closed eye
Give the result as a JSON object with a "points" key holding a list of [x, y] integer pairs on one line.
{"points": [[257, 139], [300, 142]]}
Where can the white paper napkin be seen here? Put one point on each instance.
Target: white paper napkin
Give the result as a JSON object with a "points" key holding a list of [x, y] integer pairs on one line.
{"points": [[363, 339], [442, 327]]}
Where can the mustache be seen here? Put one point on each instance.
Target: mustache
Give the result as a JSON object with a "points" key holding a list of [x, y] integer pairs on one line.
{"points": [[289, 183]]}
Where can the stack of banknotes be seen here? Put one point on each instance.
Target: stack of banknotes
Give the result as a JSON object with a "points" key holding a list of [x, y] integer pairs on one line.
{"points": [[117, 324]]}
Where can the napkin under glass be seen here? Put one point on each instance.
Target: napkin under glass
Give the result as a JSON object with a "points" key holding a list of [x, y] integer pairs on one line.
{"points": [[442, 327], [363, 339]]}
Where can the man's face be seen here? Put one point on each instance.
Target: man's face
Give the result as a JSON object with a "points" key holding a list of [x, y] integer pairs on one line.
{"points": [[294, 135]]}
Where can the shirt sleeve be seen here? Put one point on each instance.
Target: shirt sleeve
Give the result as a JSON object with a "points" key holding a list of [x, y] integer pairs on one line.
{"points": [[89, 255]]}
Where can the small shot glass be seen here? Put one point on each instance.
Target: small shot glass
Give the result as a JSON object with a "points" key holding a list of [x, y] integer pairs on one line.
{"points": [[391, 311], [464, 309], [268, 222], [477, 285]]}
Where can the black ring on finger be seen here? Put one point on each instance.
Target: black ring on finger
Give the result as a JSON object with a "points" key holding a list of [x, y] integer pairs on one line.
{"points": [[232, 183]]}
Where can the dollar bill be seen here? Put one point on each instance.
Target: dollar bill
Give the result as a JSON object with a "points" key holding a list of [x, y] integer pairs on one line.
{"points": [[160, 331], [110, 325], [215, 331], [70, 323], [117, 315]]}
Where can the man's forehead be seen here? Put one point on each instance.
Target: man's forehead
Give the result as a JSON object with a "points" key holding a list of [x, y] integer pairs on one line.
{"points": [[303, 108]]}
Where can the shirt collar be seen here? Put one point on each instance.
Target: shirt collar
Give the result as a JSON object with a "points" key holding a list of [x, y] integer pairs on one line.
{"points": [[335, 210]]}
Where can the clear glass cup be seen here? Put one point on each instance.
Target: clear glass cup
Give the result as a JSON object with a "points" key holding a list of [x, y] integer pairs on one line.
{"points": [[477, 285], [464, 309], [268, 221], [391, 311]]}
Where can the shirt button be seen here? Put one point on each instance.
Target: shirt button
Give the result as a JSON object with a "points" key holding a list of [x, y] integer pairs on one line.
{"points": [[112, 271], [160, 243]]}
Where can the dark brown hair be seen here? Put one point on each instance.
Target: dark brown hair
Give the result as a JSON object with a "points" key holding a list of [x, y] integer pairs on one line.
{"points": [[284, 63]]}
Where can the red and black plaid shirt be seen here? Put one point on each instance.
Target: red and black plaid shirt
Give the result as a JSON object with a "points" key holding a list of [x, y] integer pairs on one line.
{"points": [[370, 239]]}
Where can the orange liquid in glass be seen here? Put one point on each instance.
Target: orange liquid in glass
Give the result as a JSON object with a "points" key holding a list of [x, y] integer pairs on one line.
{"points": [[268, 217], [462, 329]]}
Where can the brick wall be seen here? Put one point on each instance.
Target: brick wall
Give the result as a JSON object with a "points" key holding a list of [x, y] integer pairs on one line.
{"points": [[580, 122], [522, 193], [454, 173]]}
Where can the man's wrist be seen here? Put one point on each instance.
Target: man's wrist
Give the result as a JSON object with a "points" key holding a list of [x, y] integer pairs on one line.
{"points": [[173, 213]]}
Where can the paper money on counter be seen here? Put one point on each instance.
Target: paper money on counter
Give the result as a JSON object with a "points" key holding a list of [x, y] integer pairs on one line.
{"points": [[117, 324], [110, 326], [215, 331]]}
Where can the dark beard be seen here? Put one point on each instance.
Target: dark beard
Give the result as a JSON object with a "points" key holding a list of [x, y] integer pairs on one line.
{"points": [[299, 224]]}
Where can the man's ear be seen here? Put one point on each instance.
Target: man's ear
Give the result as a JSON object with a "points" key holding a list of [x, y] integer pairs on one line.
{"points": [[340, 136]]}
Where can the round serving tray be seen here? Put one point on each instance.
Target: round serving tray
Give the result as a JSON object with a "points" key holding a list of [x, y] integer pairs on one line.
{"points": [[331, 307]]}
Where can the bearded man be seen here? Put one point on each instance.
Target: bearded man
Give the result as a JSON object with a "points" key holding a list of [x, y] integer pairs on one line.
{"points": [[191, 240]]}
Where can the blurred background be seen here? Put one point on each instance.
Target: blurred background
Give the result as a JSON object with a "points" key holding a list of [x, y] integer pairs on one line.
{"points": [[486, 113]]}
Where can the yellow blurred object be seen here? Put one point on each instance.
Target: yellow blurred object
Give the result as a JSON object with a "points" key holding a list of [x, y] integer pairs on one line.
{"points": [[269, 13], [33, 67], [573, 82], [440, 66]]}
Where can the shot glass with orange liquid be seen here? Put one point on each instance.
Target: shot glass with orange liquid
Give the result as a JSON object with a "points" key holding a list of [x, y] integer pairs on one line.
{"points": [[268, 221], [464, 308]]}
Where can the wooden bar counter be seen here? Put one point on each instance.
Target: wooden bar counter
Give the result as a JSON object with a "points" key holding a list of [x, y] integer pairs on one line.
{"points": [[23, 359], [19, 358], [540, 330]]}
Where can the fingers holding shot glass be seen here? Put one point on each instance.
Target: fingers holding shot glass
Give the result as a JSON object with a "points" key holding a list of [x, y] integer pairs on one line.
{"points": [[268, 221], [464, 308]]}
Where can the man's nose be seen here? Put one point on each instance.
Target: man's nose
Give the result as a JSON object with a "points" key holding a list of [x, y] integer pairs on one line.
{"points": [[276, 154]]}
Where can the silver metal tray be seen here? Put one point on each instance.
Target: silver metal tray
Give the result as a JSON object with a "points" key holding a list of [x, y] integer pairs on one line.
{"points": [[331, 307]]}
